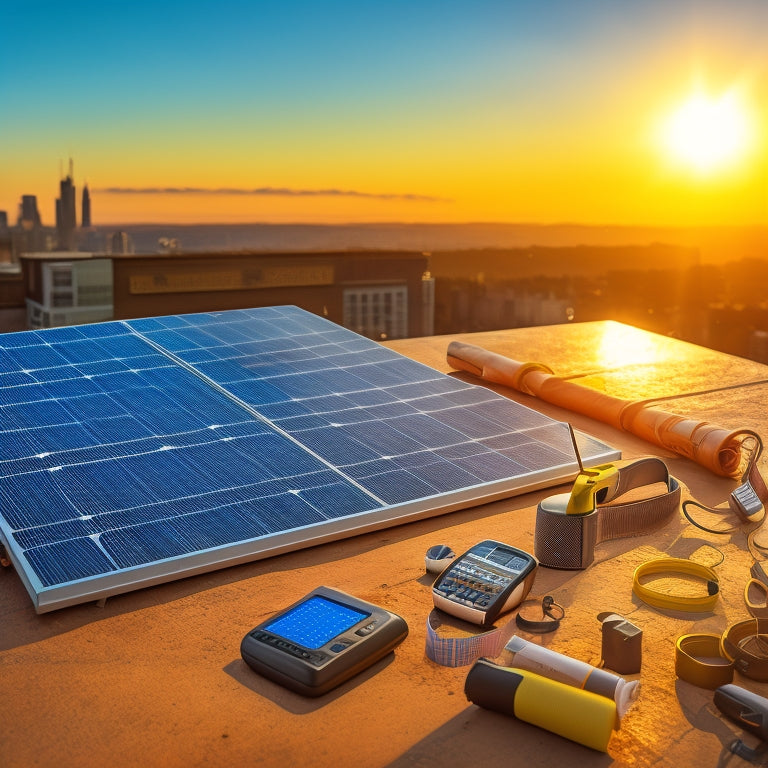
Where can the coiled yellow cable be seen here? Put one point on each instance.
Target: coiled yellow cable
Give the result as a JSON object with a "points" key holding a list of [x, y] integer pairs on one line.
{"points": [[679, 567]]}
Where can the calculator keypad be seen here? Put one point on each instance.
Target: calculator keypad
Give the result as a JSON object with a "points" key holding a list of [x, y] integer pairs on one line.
{"points": [[470, 582]]}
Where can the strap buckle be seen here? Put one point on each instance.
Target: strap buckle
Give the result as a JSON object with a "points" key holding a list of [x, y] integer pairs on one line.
{"points": [[554, 613]]}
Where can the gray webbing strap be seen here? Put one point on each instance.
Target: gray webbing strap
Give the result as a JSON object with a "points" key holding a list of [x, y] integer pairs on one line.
{"points": [[631, 518]]}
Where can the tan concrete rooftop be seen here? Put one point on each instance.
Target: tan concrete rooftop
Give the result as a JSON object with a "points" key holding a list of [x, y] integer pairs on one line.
{"points": [[155, 678]]}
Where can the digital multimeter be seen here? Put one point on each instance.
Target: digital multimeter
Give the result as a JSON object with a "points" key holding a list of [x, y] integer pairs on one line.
{"points": [[321, 641], [487, 580]]}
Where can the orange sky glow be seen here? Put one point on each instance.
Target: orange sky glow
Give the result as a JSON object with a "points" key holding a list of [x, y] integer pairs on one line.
{"points": [[448, 115]]}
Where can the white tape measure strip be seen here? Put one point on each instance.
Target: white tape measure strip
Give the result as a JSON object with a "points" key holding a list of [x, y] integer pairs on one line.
{"points": [[461, 651]]}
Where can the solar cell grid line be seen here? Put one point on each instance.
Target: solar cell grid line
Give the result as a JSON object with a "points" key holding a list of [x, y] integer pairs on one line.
{"points": [[374, 500], [136, 452]]}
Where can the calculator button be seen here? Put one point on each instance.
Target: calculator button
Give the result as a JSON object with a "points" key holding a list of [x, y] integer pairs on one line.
{"points": [[366, 630]]}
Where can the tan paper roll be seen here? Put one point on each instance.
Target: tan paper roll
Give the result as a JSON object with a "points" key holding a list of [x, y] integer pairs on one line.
{"points": [[715, 448]]}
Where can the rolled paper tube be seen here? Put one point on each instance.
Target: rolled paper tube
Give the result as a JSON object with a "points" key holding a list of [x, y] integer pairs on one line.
{"points": [[564, 669], [717, 449]]}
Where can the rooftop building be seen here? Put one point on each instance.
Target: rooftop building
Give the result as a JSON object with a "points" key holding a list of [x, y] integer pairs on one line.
{"points": [[378, 294]]}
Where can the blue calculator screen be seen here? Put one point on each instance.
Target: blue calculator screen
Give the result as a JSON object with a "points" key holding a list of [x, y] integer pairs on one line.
{"points": [[315, 621]]}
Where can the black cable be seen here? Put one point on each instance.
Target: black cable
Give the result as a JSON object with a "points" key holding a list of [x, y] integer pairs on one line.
{"points": [[688, 517]]}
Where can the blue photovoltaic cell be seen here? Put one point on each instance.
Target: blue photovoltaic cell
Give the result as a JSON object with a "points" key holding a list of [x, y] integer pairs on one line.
{"points": [[144, 450]]}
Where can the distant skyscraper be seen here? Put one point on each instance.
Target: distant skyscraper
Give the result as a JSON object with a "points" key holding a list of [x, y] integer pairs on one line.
{"points": [[121, 243], [30, 235], [29, 216], [66, 213], [86, 220]]}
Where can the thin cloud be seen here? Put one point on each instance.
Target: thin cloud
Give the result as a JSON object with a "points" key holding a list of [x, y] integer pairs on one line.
{"points": [[268, 191]]}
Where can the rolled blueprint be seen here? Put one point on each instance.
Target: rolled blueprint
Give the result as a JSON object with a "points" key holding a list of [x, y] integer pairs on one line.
{"points": [[715, 448]]}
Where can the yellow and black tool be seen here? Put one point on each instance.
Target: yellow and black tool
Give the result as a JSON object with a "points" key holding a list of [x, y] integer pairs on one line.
{"points": [[581, 500], [569, 525], [566, 523]]}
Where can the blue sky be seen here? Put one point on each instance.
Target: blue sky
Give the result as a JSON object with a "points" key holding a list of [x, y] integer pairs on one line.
{"points": [[441, 101]]}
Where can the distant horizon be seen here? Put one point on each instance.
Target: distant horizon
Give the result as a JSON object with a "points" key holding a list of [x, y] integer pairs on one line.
{"points": [[394, 223], [713, 243]]}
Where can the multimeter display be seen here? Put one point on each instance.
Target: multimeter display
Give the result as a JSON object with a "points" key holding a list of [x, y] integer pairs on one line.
{"points": [[314, 622], [509, 560], [322, 640]]}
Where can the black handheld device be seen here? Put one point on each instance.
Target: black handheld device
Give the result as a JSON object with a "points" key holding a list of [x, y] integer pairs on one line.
{"points": [[321, 641], [744, 707], [489, 579]]}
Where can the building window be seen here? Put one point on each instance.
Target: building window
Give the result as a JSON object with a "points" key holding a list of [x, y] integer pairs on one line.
{"points": [[379, 312], [61, 278], [62, 299]]}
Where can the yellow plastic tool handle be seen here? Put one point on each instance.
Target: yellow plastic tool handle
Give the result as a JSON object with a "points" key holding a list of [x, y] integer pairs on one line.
{"points": [[582, 499]]}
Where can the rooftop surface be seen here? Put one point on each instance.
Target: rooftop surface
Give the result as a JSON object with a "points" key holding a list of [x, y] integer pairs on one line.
{"points": [[155, 676]]}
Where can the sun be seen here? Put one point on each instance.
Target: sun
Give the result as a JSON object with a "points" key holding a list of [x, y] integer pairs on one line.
{"points": [[708, 133]]}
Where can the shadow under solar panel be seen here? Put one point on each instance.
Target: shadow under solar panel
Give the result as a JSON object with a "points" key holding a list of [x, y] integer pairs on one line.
{"points": [[136, 452]]}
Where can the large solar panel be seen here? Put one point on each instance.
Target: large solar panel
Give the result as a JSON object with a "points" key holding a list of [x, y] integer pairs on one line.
{"points": [[136, 452]]}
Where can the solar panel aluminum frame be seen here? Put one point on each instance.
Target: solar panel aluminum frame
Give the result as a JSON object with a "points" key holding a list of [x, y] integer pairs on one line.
{"points": [[223, 363]]}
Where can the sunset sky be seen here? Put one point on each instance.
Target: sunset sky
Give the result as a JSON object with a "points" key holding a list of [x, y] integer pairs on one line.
{"points": [[591, 111]]}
